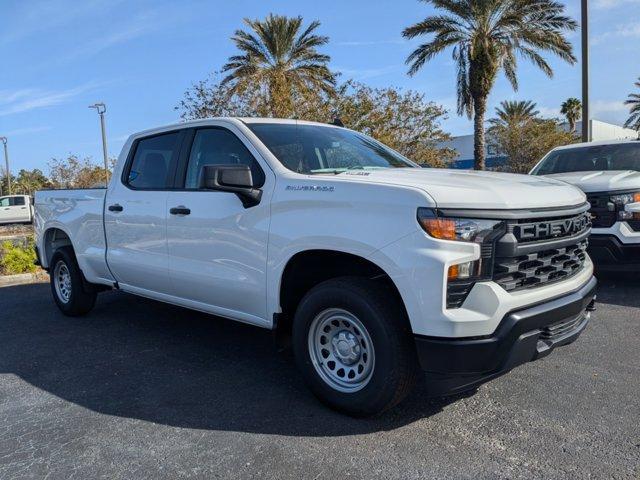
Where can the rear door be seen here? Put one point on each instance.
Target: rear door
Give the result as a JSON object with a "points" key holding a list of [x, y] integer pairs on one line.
{"points": [[217, 247], [136, 214], [21, 208]]}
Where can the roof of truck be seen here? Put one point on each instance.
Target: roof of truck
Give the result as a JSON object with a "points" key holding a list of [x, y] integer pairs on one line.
{"points": [[596, 144]]}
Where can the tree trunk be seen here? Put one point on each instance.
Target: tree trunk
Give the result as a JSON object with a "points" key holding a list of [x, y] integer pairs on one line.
{"points": [[479, 108]]}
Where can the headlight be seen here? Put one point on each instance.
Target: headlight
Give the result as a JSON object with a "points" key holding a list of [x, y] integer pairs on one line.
{"points": [[462, 276], [620, 202], [624, 198], [459, 229]]}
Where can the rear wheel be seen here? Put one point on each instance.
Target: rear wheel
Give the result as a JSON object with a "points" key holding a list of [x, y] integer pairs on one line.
{"points": [[353, 346], [68, 287]]}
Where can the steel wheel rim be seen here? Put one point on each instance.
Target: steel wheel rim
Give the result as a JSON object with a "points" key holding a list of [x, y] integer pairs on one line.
{"points": [[62, 281], [341, 350]]}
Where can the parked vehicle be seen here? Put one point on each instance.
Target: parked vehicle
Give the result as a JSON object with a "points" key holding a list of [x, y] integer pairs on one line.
{"points": [[16, 209], [376, 267], [609, 173]]}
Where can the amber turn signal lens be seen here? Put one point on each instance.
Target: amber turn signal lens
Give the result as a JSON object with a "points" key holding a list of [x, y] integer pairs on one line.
{"points": [[452, 274], [442, 228], [636, 197]]}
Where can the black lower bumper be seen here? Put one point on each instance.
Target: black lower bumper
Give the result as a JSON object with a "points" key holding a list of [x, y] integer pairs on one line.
{"points": [[609, 253], [455, 365]]}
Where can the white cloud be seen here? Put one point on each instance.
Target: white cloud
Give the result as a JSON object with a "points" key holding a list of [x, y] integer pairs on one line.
{"points": [[608, 106], [366, 43], [364, 73], [32, 17], [626, 31], [31, 99], [548, 112], [609, 4], [25, 131], [136, 27]]}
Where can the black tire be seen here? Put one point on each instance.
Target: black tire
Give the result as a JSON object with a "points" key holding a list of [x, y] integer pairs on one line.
{"points": [[79, 299], [395, 366]]}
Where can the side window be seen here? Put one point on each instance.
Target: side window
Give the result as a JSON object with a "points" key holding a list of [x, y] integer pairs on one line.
{"points": [[217, 146], [18, 201], [151, 163], [4, 202]]}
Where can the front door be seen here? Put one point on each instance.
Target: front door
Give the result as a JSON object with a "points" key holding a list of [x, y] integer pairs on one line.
{"points": [[136, 215], [217, 247]]}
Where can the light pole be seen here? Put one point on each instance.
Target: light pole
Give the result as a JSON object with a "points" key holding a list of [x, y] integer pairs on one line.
{"points": [[101, 108], [6, 162], [584, 27]]}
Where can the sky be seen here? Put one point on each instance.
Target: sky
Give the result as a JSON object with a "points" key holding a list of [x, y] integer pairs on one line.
{"points": [[59, 56]]}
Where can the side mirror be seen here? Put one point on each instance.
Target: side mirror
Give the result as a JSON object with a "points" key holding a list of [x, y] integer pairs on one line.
{"points": [[231, 178]]}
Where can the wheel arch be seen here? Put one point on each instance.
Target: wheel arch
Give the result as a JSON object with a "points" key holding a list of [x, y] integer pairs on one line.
{"points": [[308, 268]]}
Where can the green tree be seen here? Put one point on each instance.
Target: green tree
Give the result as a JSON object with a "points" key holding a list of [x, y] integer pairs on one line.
{"points": [[486, 38], [404, 120], [281, 59], [572, 109], [634, 109], [514, 112], [525, 143], [29, 181]]}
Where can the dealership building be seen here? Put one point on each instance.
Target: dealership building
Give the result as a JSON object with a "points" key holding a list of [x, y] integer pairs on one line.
{"points": [[463, 144]]}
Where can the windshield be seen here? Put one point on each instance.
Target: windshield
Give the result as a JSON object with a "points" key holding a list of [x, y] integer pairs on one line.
{"points": [[621, 156], [315, 149]]}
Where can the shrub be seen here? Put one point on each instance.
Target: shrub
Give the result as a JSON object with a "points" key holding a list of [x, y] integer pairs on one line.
{"points": [[16, 259]]}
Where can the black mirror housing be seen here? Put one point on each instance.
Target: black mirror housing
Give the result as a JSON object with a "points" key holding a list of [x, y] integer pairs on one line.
{"points": [[231, 178]]}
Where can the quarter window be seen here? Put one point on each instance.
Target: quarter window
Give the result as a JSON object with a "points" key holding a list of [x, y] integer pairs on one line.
{"points": [[217, 146], [150, 168]]}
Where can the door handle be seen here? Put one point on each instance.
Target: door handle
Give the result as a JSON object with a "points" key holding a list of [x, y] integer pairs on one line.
{"points": [[180, 211], [115, 208]]}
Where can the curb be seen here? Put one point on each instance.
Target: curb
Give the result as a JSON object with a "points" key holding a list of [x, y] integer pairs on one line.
{"points": [[21, 279]]}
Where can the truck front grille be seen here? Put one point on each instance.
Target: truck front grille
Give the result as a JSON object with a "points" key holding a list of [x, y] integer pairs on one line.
{"points": [[538, 252], [604, 213], [539, 268]]}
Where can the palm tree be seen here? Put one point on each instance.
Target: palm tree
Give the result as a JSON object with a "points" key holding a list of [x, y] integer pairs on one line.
{"points": [[572, 109], [281, 61], [487, 36], [634, 112], [514, 112]]}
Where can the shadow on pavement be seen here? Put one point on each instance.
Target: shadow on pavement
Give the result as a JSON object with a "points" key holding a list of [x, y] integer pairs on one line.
{"points": [[141, 359], [618, 289]]}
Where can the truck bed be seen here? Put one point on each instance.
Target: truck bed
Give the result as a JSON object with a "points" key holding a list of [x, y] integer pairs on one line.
{"points": [[79, 214]]}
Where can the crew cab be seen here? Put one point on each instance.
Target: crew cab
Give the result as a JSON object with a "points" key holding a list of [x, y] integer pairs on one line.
{"points": [[375, 268], [609, 173], [15, 209]]}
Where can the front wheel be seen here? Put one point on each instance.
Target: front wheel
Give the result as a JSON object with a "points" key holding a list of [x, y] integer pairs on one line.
{"points": [[67, 285], [353, 346]]}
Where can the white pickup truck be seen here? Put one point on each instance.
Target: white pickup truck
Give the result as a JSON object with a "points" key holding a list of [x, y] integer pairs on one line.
{"points": [[15, 209], [376, 268], [609, 173]]}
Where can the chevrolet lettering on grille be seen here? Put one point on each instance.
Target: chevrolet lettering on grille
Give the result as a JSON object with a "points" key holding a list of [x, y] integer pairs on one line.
{"points": [[552, 229]]}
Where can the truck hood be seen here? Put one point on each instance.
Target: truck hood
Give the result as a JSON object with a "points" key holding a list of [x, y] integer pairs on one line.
{"points": [[471, 189], [601, 181]]}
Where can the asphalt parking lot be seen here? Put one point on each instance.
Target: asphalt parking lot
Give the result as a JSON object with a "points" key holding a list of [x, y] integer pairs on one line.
{"points": [[139, 389]]}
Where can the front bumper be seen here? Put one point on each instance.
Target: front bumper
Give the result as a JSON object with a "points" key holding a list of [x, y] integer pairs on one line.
{"points": [[609, 253], [455, 365]]}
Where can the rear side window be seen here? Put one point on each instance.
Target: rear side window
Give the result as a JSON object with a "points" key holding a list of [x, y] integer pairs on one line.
{"points": [[217, 146], [151, 164], [17, 201]]}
